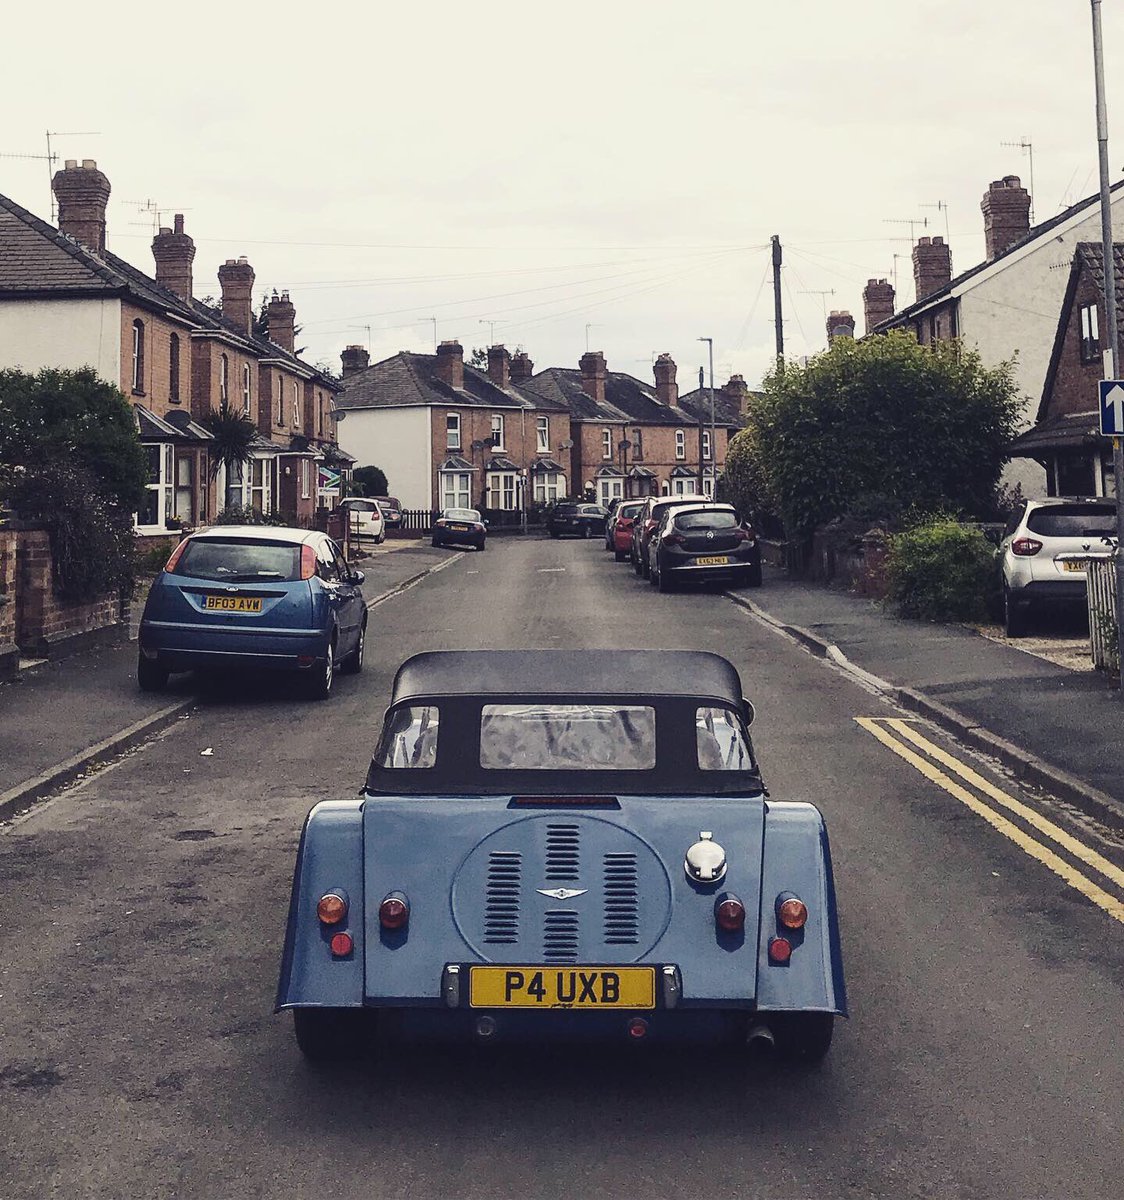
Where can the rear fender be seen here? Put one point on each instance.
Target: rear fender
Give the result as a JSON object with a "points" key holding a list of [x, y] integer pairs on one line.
{"points": [[797, 859], [330, 858]]}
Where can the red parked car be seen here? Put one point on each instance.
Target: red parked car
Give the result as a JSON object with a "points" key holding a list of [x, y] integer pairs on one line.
{"points": [[621, 528]]}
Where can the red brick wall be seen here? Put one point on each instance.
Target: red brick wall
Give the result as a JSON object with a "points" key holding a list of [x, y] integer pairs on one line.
{"points": [[155, 390], [7, 588], [1075, 382], [658, 450], [42, 620]]}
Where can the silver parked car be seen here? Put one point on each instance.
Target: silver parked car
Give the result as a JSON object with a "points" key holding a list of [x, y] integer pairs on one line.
{"points": [[1044, 552]]}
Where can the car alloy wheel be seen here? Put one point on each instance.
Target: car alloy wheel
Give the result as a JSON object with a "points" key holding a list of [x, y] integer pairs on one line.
{"points": [[353, 664], [323, 675]]}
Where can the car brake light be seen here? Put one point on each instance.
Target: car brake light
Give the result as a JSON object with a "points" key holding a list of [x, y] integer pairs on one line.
{"points": [[331, 908], [729, 912], [442, 522], [308, 562], [742, 536], [675, 539], [175, 555], [394, 911], [792, 912], [1025, 547], [341, 944], [780, 950]]}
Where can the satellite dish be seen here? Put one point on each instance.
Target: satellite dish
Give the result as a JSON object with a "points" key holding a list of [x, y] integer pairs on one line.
{"points": [[567, 445]]}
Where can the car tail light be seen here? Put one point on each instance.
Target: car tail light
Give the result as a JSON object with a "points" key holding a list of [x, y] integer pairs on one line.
{"points": [[675, 539], [729, 913], [331, 908], [577, 801], [780, 950], [792, 912], [394, 911], [637, 1028], [442, 522], [175, 555], [342, 945], [308, 562], [1025, 547], [743, 535]]}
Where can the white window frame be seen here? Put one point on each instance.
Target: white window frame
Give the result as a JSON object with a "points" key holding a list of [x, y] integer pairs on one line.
{"points": [[452, 436], [138, 355], [164, 485], [306, 478], [682, 486], [296, 405], [549, 486], [280, 400], [246, 388], [174, 381], [224, 379], [706, 444], [609, 487], [607, 444], [456, 489], [503, 490], [543, 434], [252, 482], [497, 431], [680, 445]]}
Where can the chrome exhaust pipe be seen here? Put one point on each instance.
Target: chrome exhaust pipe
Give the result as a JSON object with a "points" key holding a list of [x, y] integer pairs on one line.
{"points": [[760, 1037]]}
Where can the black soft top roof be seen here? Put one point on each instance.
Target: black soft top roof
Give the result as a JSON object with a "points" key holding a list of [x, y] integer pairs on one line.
{"points": [[565, 673]]}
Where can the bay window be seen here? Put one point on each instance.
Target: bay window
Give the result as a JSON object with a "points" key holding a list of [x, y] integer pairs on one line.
{"points": [[549, 486], [456, 489], [158, 496], [502, 490]]}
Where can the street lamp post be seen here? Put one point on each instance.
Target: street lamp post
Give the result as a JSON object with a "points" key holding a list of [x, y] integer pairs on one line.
{"points": [[713, 438], [1113, 358]]}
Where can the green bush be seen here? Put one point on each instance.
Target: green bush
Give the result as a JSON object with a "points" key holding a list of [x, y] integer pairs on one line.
{"points": [[236, 514], [941, 570]]}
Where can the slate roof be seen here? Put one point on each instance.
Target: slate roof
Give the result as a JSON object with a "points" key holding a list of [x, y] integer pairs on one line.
{"points": [[1037, 232], [176, 427], [407, 379], [1071, 431], [727, 409], [627, 399]]}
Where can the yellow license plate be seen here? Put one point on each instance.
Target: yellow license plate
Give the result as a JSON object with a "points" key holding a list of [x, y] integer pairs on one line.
{"points": [[718, 560], [1073, 564], [462, 528], [251, 604], [562, 987]]}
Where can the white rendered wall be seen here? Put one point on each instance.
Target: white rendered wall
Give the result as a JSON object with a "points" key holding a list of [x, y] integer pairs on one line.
{"points": [[398, 440], [62, 333]]}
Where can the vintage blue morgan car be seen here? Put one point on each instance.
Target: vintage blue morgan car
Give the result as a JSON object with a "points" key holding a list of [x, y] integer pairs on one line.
{"points": [[564, 844]]}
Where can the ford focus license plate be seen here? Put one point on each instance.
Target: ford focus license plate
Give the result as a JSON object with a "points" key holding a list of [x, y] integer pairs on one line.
{"points": [[716, 560], [250, 604], [562, 987]]}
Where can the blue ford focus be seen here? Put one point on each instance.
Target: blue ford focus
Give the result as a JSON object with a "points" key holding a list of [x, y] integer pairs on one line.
{"points": [[253, 596]]}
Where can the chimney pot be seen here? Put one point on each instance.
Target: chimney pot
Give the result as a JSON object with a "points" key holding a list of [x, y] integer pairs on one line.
{"points": [[89, 164], [179, 222], [70, 162], [174, 253], [82, 193]]}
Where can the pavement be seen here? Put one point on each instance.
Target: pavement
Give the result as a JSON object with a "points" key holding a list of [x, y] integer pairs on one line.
{"points": [[58, 719], [1058, 728]]}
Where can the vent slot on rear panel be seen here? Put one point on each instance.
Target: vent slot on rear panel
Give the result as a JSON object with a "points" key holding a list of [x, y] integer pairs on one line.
{"points": [[560, 936], [563, 852], [501, 908], [622, 913]]}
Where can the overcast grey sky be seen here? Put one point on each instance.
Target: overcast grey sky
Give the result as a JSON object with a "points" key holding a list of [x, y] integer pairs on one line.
{"points": [[610, 163]]}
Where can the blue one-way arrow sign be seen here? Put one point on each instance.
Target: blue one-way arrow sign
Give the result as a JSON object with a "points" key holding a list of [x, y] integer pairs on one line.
{"points": [[1112, 407]]}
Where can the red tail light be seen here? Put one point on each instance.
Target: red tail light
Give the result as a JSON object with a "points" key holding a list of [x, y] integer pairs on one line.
{"points": [[576, 801], [780, 950], [1025, 547], [342, 945], [331, 908], [743, 535], [729, 912], [792, 912], [394, 911], [308, 562], [175, 556], [675, 539], [442, 523]]}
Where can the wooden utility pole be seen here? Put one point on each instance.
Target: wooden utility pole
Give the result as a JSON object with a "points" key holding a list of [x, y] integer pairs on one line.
{"points": [[778, 315]]}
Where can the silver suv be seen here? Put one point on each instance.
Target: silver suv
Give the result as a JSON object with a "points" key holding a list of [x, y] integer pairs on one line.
{"points": [[1044, 550]]}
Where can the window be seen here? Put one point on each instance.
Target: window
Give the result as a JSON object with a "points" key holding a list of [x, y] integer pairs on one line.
{"points": [[567, 737], [606, 443], [680, 445], [549, 486], [158, 499], [185, 479], [455, 488], [1090, 334], [409, 738], [174, 369], [684, 486], [319, 413], [296, 406], [453, 431], [229, 558], [543, 430], [497, 431], [721, 745], [246, 389], [306, 478], [706, 443], [280, 401], [501, 490], [609, 487], [224, 379], [638, 445], [249, 487], [138, 357]]}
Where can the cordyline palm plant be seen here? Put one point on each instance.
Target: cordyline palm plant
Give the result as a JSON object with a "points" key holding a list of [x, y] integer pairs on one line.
{"points": [[233, 433]]}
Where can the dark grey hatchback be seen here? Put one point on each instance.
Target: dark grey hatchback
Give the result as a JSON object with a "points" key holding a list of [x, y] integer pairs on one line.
{"points": [[704, 542]]}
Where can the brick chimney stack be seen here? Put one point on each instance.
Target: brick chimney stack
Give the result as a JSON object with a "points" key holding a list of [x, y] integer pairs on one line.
{"points": [[840, 324], [354, 360], [667, 390], [521, 367], [282, 318], [592, 366], [174, 252], [236, 278], [1006, 211], [932, 266], [450, 364], [878, 302], [82, 193], [499, 366], [737, 391]]}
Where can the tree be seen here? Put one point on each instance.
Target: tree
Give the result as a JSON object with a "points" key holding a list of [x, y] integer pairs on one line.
{"points": [[479, 358], [926, 426], [369, 481], [73, 417], [233, 435]]}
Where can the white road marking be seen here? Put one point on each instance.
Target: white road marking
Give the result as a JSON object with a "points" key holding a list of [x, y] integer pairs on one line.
{"points": [[552, 570]]}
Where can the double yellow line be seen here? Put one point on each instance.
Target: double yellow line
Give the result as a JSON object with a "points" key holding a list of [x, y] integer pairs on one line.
{"points": [[885, 729]]}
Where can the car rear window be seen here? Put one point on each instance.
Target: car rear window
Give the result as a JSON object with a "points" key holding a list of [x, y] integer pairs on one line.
{"points": [[1073, 520], [239, 560], [360, 505], [463, 514], [721, 744], [629, 510], [409, 738], [567, 737], [567, 508], [706, 520]]}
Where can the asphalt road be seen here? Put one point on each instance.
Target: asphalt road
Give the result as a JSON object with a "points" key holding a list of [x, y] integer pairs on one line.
{"points": [[142, 912]]}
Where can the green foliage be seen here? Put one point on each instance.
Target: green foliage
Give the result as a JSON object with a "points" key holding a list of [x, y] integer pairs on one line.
{"points": [[927, 426], [73, 417], [92, 539], [369, 481], [153, 554], [941, 570], [236, 514], [479, 358], [233, 433]]}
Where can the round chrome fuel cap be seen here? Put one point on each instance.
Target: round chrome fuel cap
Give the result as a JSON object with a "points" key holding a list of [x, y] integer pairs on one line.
{"points": [[706, 860]]}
